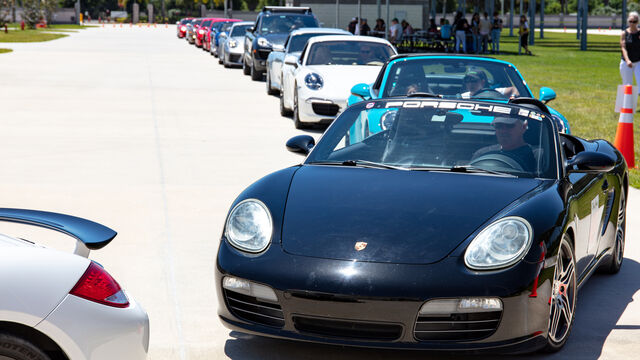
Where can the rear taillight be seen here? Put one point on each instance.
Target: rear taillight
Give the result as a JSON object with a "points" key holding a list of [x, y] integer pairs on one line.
{"points": [[97, 285]]}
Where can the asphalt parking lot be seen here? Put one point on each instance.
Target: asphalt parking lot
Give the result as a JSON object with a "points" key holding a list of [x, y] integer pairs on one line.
{"points": [[144, 133]]}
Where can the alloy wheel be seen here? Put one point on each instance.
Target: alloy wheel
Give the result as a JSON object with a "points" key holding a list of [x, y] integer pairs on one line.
{"points": [[563, 295]]}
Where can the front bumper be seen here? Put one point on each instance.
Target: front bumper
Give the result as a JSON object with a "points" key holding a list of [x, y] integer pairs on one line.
{"points": [[315, 108], [233, 55], [381, 298], [88, 330]]}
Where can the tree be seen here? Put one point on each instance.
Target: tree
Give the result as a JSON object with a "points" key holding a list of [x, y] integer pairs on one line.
{"points": [[5, 12], [32, 12], [49, 7]]}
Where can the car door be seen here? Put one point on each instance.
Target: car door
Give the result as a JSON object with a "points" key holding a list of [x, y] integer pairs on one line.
{"points": [[278, 62], [290, 79], [589, 194], [248, 40]]}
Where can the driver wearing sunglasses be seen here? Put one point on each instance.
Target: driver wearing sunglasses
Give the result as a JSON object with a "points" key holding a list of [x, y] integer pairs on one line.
{"points": [[510, 137], [475, 82]]}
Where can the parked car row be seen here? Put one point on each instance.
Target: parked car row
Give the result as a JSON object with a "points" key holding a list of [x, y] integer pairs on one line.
{"points": [[318, 72]]}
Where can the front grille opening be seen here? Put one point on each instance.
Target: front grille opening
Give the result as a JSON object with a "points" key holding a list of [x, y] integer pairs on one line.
{"points": [[348, 329], [250, 308], [234, 58], [457, 327], [325, 109]]}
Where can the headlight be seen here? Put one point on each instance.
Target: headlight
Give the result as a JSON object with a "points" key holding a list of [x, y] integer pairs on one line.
{"points": [[262, 42], [313, 81], [184, 28], [500, 244], [249, 226], [233, 43], [201, 32]]}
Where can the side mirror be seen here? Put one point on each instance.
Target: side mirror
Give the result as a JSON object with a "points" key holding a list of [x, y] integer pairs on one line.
{"points": [[291, 60], [590, 162], [250, 29], [547, 94], [361, 90], [301, 144], [278, 48], [223, 35]]}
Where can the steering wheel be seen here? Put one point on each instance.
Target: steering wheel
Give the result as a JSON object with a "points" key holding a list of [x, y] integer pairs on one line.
{"points": [[488, 93], [496, 161]]}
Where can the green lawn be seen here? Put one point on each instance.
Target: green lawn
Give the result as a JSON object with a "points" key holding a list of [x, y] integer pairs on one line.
{"points": [[5, 51], [28, 36], [585, 82]]}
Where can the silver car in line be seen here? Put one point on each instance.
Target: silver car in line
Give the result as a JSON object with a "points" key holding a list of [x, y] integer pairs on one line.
{"points": [[231, 46]]}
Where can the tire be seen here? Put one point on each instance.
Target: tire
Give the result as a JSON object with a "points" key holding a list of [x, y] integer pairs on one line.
{"points": [[19, 349], [245, 67], [563, 297], [255, 75], [296, 112], [283, 110], [613, 267], [219, 60], [270, 90]]}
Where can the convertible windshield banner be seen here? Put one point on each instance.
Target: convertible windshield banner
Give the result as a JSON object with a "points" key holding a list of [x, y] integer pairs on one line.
{"points": [[453, 105]]}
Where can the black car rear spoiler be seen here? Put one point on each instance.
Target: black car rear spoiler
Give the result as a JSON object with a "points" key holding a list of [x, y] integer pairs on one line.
{"points": [[89, 235]]}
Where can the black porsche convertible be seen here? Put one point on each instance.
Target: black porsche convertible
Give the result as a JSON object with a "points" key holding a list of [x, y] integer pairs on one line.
{"points": [[460, 225]]}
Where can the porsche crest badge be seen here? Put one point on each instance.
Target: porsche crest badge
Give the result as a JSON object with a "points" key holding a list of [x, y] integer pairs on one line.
{"points": [[360, 245]]}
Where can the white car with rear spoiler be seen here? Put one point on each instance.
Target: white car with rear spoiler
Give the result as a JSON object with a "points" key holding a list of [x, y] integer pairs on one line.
{"points": [[56, 305]]}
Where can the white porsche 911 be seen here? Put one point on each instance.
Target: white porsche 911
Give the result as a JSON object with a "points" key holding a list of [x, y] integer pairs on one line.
{"points": [[316, 86], [56, 305]]}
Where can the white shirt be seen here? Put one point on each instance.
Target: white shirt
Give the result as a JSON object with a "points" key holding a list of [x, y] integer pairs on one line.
{"points": [[395, 31]]}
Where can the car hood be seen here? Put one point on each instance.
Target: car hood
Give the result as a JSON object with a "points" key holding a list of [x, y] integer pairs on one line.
{"points": [[339, 79], [276, 39], [412, 217]]}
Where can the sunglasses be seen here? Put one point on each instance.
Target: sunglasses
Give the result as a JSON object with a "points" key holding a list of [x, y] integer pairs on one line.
{"points": [[633, 21]]}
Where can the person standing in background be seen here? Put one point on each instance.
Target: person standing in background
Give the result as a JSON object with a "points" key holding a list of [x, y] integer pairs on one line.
{"points": [[352, 25], [630, 48], [496, 30], [380, 27], [484, 31], [475, 31], [524, 34], [364, 27], [395, 31], [461, 26]]}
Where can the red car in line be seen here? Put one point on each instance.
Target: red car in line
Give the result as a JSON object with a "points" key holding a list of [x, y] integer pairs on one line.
{"points": [[181, 27]]}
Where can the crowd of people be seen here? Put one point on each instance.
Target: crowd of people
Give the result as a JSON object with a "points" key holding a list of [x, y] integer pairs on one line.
{"points": [[480, 36]]}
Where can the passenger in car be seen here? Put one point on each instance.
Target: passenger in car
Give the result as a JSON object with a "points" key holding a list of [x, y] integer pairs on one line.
{"points": [[475, 82]]}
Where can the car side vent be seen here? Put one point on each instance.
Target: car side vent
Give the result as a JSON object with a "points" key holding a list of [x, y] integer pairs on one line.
{"points": [[254, 310], [457, 327]]}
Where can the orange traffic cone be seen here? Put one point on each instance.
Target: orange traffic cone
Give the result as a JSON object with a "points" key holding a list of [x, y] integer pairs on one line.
{"points": [[624, 134]]}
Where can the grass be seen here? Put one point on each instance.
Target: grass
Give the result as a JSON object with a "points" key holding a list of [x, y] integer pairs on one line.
{"points": [[28, 36], [585, 82], [5, 51]]}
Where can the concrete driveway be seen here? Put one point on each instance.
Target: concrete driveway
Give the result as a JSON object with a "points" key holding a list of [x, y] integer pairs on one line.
{"points": [[136, 129]]}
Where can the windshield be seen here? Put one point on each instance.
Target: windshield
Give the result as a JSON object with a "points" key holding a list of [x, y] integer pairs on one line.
{"points": [[286, 23], [298, 42], [240, 30], [184, 21], [226, 27], [218, 25], [455, 78], [442, 135], [349, 53], [206, 23]]}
